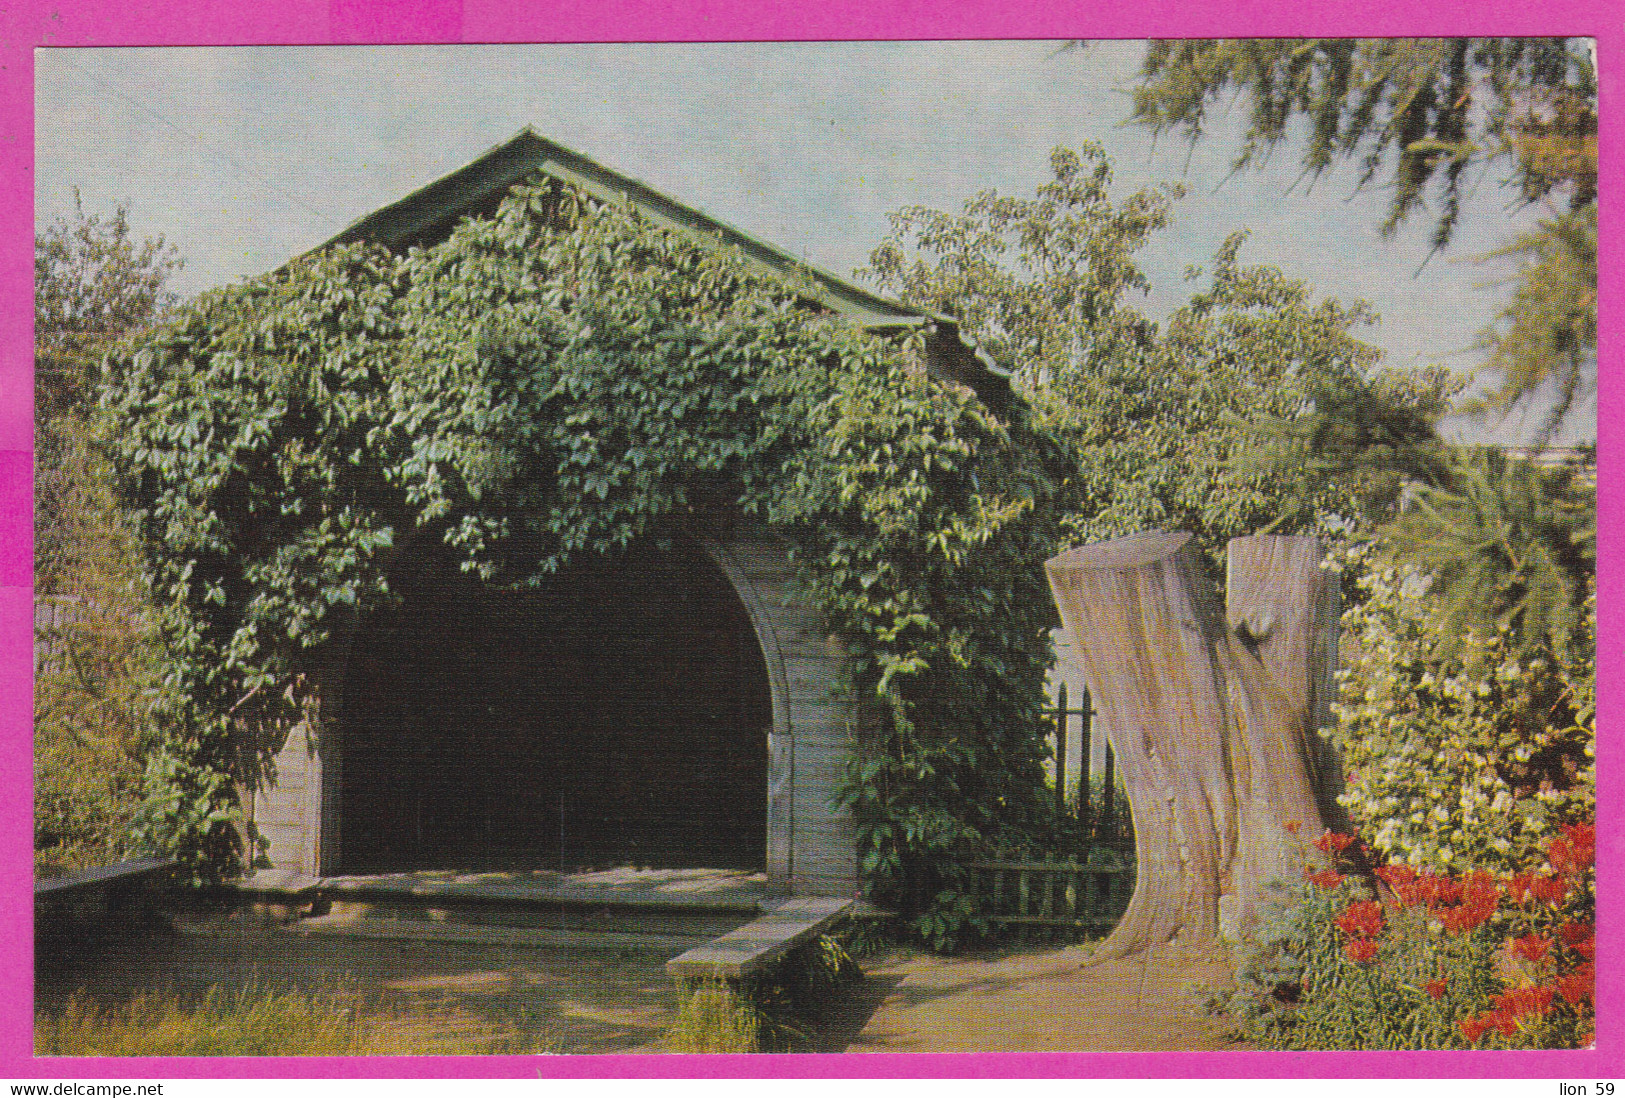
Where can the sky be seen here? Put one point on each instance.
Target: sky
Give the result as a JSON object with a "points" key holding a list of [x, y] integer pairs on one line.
{"points": [[243, 157]]}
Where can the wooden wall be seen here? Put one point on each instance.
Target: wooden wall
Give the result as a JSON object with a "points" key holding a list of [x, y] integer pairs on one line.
{"points": [[768, 726], [812, 845]]}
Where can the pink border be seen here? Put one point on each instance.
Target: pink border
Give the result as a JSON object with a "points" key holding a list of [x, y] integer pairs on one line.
{"points": [[30, 23]]}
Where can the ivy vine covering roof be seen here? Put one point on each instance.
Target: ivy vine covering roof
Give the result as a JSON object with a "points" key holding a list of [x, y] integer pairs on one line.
{"points": [[428, 215]]}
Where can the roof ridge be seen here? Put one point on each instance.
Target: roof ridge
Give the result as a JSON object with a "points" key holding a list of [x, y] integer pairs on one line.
{"points": [[428, 213]]}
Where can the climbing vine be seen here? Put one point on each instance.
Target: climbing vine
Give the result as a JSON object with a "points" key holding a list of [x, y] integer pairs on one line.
{"points": [[559, 379]]}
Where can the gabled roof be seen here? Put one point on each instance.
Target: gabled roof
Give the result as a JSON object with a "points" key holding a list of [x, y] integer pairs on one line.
{"points": [[428, 215]]}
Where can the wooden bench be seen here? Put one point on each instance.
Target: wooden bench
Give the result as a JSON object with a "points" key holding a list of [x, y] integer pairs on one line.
{"points": [[761, 943], [102, 878], [81, 906]]}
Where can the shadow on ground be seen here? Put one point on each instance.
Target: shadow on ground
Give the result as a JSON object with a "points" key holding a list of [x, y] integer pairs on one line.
{"points": [[569, 1001], [555, 1000]]}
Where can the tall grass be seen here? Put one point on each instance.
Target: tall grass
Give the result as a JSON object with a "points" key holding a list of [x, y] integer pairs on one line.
{"points": [[776, 1014], [714, 1016], [264, 1021]]}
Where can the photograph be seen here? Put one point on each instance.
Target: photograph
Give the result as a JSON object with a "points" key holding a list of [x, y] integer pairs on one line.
{"points": [[831, 548]]}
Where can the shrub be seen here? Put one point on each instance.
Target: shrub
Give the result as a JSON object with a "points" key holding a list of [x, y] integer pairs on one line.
{"points": [[1438, 961], [95, 673], [94, 284], [1462, 750]]}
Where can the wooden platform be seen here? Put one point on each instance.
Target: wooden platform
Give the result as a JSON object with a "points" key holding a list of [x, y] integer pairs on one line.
{"points": [[721, 924], [626, 888], [507, 937], [759, 944]]}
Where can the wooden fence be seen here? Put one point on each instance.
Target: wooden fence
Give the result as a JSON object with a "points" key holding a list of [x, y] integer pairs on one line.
{"points": [[1055, 894]]}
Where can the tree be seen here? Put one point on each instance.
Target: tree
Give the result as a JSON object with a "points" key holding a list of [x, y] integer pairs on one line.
{"points": [[94, 284], [1154, 417], [1429, 117]]}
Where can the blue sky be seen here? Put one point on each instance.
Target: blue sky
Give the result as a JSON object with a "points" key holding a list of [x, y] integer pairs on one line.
{"points": [[245, 156]]}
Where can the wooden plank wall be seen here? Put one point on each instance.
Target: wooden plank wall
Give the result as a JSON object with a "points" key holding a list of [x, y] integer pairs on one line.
{"points": [[811, 844], [286, 812]]}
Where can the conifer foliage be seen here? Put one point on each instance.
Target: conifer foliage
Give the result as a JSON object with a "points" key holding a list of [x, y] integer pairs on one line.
{"points": [[1428, 119]]}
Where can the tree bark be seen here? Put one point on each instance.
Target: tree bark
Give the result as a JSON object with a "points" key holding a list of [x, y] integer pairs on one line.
{"points": [[1215, 758], [1285, 606]]}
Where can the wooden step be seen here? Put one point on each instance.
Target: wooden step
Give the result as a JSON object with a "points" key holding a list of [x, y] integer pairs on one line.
{"points": [[701, 924], [422, 930], [759, 944]]}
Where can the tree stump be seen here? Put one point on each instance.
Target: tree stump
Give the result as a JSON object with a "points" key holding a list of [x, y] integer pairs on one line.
{"points": [[1216, 759], [1285, 606]]}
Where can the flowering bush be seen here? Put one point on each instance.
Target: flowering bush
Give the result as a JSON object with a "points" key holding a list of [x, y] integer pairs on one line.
{"points": [[1427, 959], [1461, 750]]}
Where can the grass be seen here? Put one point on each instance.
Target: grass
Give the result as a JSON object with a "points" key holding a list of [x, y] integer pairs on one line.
{"points": [[264, 1021], [777, 1014], [713, 1016]]}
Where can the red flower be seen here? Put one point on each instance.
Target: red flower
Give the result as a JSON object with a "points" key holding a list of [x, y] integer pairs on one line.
{"points": [[1361, 951], [1466, 918], [1549, 889], [1517, 887], [1292, 827], [1361, 920], [1396, 874], [1531, 947], [1524, 1000], [1574, 850], [1437, 988], [1580, 937], [1326, 878], [1437, 889], [1402, 879], [1480, 888], [1473, 1028], [1333, 843], [1582, 835], [1572, 934], [1561, 853], [1579, 985]]}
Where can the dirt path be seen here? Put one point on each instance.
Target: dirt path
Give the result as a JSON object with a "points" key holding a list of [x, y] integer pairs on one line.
{"points": [[1031, 1000], [1036, 1001]]}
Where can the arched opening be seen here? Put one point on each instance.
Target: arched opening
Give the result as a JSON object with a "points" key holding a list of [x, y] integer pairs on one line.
{"points": [[615, 715]]}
